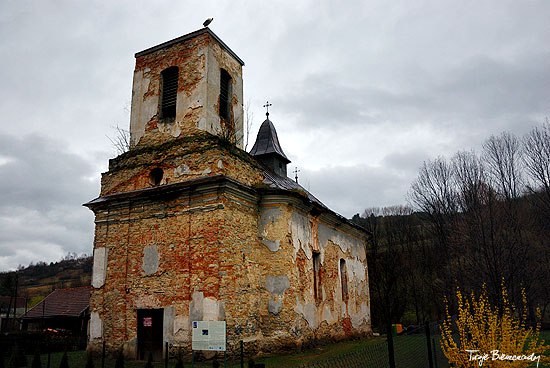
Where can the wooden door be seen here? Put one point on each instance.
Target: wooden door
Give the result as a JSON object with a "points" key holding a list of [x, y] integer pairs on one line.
{"points": [[149, 328]]}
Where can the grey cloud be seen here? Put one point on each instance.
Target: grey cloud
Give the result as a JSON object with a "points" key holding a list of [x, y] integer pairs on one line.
{"points": [[348, 190], [366, 90], [41, 193], [481, 88]]}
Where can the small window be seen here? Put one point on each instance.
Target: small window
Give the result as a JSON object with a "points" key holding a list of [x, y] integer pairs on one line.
{"points": [[225, 95], [317, 276], [344, 279], [169, 92]]}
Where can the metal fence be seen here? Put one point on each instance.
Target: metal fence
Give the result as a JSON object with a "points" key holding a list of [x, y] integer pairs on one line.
{"points": [[417, 348], [374, 355], [30, 343]]}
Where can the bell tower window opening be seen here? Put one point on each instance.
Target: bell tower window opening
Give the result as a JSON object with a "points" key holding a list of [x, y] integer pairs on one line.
{"points": [[169, 92], [344, 279], [225, 95], [317, 276]]}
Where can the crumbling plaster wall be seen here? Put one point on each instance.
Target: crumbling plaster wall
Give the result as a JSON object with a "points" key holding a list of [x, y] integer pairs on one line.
{"points": [[199, 61], [196, 156], [218, 59], [289, 237], [219, 256], [191, 258]]}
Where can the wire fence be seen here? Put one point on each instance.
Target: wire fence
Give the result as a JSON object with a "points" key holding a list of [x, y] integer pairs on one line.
{"points": [[417, 348], [375, 355]]}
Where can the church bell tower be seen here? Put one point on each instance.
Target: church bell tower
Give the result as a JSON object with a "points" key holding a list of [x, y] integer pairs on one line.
{"points": [[190, 83]]}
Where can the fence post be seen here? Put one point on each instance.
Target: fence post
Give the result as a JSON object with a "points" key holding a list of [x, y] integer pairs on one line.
{"points": [[391, 354], [242, 354], [435, 352], [103, 355], [49, 351], [428, 341], [166, 356]]}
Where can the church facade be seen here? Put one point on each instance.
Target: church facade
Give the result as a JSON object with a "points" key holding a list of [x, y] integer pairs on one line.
{"points": [[189, 227]]}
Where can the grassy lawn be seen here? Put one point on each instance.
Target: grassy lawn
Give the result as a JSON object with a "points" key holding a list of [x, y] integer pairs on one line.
{"points": [[410, 351], [77, 359]]}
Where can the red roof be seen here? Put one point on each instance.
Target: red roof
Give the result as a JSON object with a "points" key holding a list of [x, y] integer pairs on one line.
{"points": [[62, 302]]}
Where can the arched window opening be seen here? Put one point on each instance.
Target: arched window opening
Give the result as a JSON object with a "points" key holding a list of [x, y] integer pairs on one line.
{"points": [[169, 92], [317, 276], [344, 279], [225, 95], [156, 175]]}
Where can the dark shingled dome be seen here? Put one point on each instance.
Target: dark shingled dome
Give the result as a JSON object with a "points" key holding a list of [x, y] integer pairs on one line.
{"points": [[267, 142]]}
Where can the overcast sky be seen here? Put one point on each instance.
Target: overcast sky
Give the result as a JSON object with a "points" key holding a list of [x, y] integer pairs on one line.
{"points": [[363, 92]]}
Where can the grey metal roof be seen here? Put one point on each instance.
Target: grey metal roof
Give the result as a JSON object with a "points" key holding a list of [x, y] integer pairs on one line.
{"points": [[267, 142], [188, 37], [285, 183]]}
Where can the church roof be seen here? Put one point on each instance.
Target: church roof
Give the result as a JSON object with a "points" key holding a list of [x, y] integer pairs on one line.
{"points": [[267, 142], [285, 183]]}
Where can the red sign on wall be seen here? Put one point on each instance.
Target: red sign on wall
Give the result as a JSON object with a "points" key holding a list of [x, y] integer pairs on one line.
{"points": [[147, 321]]}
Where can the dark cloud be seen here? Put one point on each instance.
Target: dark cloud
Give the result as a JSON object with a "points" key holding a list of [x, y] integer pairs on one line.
{"points": [[350, 189], [42, 189], [361, 94]]}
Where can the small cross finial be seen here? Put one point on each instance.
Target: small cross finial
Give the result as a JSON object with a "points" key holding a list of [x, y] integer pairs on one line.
{"points": [[267, 104], [296, 171]]}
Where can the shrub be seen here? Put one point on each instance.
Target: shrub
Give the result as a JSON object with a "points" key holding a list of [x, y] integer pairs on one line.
{"points": [[483, 329]]}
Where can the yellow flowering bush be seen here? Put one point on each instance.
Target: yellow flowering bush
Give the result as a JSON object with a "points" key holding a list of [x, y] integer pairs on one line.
{"points": [[486, 336]]}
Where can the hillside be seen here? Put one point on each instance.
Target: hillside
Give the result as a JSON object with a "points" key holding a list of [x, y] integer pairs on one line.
{"points": [[38, 280]]}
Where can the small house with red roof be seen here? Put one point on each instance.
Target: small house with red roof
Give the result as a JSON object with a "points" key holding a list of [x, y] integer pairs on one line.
{"points": [[63, 309]]}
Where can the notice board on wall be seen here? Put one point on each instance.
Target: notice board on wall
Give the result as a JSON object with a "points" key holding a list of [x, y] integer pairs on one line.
{"points": [[208, 335]]}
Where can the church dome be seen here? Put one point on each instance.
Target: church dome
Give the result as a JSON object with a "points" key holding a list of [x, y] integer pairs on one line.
{"points": [[267, 142]]}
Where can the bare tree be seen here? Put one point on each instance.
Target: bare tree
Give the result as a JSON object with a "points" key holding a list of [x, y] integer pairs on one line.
{"points": [[536, 146], [384, 260], [120, 140], [248, 122], [503, 157]]}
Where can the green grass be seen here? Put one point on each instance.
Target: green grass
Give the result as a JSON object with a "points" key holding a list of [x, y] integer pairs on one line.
{"points": [[410, 351], [77, 359]]}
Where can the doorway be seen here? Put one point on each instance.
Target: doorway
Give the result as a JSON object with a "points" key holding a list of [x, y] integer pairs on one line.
{"points": [[149, 333]]}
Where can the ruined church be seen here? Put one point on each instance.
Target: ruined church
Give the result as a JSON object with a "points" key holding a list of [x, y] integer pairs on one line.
{"points": [[190, 227]]}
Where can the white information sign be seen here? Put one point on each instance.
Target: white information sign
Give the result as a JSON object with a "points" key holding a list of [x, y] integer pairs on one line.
{"points": [[208, 335]]}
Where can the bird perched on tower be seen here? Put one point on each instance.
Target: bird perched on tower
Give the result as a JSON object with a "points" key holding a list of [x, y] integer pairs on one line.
{"points": [[207, 22]]}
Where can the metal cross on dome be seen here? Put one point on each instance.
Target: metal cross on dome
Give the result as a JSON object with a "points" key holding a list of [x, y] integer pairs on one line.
{"points": [[267, 104], [296, 171]]}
